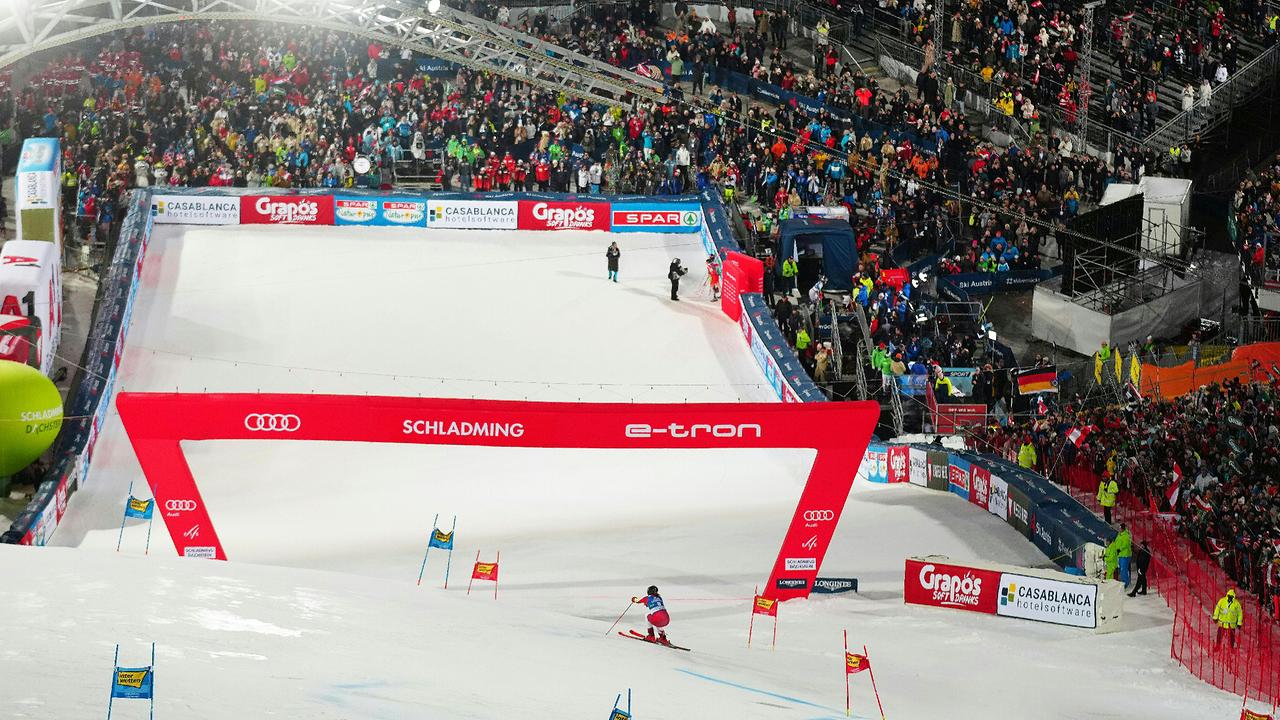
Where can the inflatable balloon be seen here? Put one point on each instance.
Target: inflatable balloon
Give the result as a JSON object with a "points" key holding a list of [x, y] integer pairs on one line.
{"points": [[30, 415]]}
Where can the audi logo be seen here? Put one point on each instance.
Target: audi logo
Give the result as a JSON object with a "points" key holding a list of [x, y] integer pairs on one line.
{"points": [[272, 422], [179, 505], [818, 515]]}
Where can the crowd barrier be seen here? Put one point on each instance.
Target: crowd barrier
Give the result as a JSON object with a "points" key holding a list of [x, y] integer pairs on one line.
{"points": [[1191, 581], [964, 286], [85, 412], [1042, 512]]}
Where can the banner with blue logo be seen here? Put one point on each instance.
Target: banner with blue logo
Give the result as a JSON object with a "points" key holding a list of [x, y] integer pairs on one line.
{"points": [[380, 211], [656, 217], [140, 509], [132, 683], [441, 539]]}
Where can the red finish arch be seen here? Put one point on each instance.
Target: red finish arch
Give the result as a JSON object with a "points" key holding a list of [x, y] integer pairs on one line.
{"points": [[156, 423]]}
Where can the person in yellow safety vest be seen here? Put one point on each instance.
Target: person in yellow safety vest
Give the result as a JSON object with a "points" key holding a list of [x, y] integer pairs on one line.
{"points": [[1229, 616], [802, 340], [789, 271], [1107, 492], [1027, 453]]}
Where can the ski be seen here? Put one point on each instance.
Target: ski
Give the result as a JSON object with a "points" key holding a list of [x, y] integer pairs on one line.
{"points": [[633, 635]]}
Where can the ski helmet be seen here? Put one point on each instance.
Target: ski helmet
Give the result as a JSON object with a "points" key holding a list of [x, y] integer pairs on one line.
{"points": [[653, 590]]}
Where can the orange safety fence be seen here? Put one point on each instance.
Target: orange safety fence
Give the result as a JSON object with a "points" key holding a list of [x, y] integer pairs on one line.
{"points": [[1191, 581], [1172, 382]]}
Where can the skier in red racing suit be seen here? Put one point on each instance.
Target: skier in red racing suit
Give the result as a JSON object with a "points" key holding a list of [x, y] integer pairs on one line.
{"points": [[657, 615]]}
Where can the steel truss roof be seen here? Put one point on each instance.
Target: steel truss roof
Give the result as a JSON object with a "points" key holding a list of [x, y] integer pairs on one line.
{"points": [[28, 27]]}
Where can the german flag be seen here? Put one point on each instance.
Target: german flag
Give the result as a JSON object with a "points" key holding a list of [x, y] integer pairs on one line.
{"points": [[1037, 380]]}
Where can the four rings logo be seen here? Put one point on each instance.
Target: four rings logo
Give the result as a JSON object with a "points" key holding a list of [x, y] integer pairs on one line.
{"points": [[813, 517], [272, 422], [173, 507]]}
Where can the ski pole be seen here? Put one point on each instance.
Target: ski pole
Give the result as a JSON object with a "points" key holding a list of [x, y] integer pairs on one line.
{"points": [[615, 622]]}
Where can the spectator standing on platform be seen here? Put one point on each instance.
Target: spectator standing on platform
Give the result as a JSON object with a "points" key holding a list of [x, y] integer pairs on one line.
{"points": [[1107, 492], [612, 255], [1229, 616], [1124, 553], [789, 271], [1141, 561]]}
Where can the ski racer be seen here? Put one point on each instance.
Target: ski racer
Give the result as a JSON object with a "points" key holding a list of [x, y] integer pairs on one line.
{"points": [[657, 615]]}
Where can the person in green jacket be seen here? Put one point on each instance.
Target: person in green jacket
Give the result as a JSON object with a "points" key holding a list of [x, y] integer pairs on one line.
{"points": [[1123, 546], [802, 340], [1027, 454], [1107, 492], [789, 271], [880, 359], [1229, 616], [1112, 560]]}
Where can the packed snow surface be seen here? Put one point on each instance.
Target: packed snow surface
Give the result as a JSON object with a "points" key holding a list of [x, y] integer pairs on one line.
{"points": [[318, 613]]}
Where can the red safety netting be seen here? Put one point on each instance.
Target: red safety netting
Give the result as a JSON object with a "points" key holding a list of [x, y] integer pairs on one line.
{"points": [[1191, 581]]}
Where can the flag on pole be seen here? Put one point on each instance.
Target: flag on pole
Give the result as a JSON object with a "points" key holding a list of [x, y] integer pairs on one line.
{"points": [[765, 606], [140, 509], [1201, 503], [653, 72], [1247, 714], [1078, 435], [1041, 408], [1175, 488], [1135, 370], [133, 683], [485, 571], [1037, 380], [855, 663], [1119, 366], [1097, 368], [441, 539]]}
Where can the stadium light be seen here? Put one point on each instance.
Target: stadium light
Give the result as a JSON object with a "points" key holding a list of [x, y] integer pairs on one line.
{"points": [[433, 6]]}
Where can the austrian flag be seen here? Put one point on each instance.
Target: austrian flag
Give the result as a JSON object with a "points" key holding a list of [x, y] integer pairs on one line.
{"points": [[1077, 435], [1175, 487]]}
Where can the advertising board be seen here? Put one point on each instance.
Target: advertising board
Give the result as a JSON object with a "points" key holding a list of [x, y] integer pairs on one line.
{"points": [[951, 586], [286, 210], [918, 474], [195, 210], [473, 214], [656, 217], [562, 215], [1050, 601]]}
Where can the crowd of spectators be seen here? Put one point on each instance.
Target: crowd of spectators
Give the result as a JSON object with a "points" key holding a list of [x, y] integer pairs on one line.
{"points": [[1030, 51], [1219, 445], [1256, 209]]}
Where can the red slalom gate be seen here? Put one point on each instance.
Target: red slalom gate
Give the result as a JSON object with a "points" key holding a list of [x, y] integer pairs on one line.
{"points": [[1191, 582], [157, 423]]}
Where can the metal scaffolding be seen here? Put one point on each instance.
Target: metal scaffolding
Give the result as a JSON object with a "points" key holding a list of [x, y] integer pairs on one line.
{"points": [[38, 25]]}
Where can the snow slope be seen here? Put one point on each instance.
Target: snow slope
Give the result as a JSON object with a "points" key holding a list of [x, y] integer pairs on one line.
{"points": [[318, 614]]}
